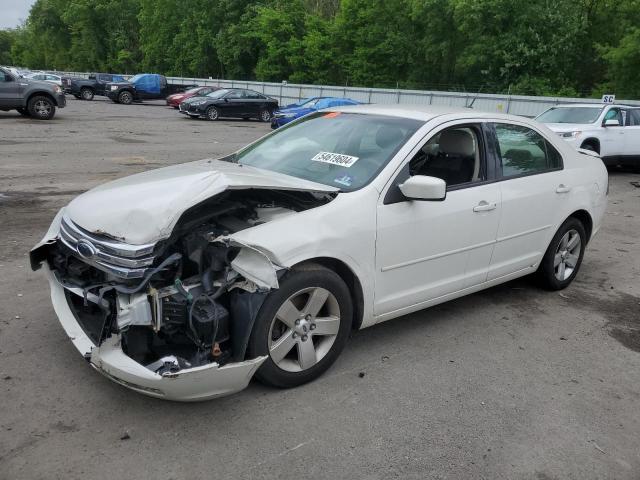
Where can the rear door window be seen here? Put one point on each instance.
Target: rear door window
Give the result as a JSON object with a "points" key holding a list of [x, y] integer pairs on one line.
{"points": [[523, 151]]}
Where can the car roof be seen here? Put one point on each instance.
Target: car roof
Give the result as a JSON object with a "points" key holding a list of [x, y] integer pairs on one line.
{"points": [[592, 105], [424, 112]]}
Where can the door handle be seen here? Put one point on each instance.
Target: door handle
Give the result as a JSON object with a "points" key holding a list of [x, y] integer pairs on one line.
{"points": [[562, 188], [484, 206]]}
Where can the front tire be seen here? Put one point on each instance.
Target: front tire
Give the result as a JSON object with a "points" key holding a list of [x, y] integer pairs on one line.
{"points": [[125, 97], [563, 257], [41, 107], [265, 115], [302, 327], [212, 113], [86, 94]]}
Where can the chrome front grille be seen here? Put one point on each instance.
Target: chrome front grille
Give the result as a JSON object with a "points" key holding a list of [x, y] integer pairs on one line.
{"points": [[111, 256]]}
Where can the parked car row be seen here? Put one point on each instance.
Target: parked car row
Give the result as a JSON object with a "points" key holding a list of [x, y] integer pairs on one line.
{"points": [[610, 130], [213, 103]]}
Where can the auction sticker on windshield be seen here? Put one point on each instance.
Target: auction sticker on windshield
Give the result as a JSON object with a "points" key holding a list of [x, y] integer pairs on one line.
{"points": [[335, 159]]}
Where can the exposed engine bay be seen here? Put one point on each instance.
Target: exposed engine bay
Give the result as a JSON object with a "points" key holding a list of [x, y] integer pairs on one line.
{"points": [[187, 301]]}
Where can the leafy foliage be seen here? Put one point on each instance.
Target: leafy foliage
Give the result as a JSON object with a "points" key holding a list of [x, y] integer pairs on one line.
{"points": [[562, 47]]}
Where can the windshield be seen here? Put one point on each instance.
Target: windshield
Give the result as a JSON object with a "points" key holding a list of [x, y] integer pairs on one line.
{"points": [[193, 90], [343, 150], [135, 78], [309, 103], [219, 93], [570, 115]]}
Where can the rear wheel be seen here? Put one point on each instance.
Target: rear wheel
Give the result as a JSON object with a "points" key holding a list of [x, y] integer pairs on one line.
{"points": [[212, 113], [563, 257], [302, 327], [265, 115], [86, 93], [41, 107], [125, 97]]}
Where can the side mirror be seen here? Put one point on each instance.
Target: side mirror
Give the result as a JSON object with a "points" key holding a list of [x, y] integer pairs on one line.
{"points": [[611, 123], [422, 187]]}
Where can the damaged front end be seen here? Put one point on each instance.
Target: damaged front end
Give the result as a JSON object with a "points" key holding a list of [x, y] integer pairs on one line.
{"points": [[170, 319]]}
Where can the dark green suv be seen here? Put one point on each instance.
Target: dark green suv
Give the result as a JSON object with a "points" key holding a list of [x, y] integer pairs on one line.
{"points": [[31, 98]]}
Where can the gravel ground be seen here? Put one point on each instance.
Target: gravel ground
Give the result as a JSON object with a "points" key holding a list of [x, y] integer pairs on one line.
{"points": [[509, 383]]}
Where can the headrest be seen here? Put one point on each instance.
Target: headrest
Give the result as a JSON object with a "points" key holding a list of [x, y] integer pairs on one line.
{"points": [[457, 142], [389, 136]]}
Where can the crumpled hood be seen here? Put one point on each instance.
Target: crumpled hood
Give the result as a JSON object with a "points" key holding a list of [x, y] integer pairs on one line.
{"points": [[145, 207]]}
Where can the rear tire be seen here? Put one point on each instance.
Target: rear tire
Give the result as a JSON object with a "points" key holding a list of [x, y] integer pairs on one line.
{"points": [[86, 94], [41, 107], [301, 337], [125, 97], [563, 257]]}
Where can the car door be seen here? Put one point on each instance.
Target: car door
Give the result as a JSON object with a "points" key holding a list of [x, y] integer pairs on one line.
{"points": [[428, 249], [612, 142], [534, 188], [632, 133], [255, 102], [9, 90], [232, 104]]}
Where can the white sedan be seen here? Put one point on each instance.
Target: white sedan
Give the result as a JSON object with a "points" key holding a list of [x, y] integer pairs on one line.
{"points": [[46, 77], [185, 282]]}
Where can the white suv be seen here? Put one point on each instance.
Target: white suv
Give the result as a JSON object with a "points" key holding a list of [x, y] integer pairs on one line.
{"points": [[612, 131]]}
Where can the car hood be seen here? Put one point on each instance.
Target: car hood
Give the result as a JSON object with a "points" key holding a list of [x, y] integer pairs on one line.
{"points": [[296, 111], [120, 84], [568, 127], [196, 98], [145, 207]]}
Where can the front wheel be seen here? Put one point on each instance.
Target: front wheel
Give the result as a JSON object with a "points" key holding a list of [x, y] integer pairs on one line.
{"points": [[302, 327], [563, 257], [125, 98], [265, 115], [86, 94], [41, 107], [212, 113]]}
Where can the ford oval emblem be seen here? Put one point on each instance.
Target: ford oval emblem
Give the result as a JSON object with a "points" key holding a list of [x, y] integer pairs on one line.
{"points": [[85, 249]]}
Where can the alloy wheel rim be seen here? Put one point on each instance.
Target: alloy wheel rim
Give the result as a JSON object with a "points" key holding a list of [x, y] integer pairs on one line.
{"points": [[86, 94], [266, 116], [213, 114], [567, 255], [42, 108], [126, 98], [304, 329]]}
